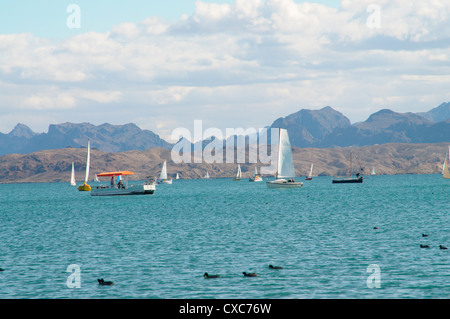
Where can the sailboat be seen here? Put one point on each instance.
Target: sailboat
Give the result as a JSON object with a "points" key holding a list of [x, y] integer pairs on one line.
{"points": [[373, 171], [177, 177], [285, 165], [309, 177], [350, 179], [73, 181], [256, 177], [446, 166], [163, 176], [238, 174], [207, 175], [85, 187]]}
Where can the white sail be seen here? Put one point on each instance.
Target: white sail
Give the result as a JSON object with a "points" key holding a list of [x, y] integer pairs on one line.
{"points": [[446, 166], [178, 176], [163, 174], [239, 172], [285, 162], [373, 171], [310, 172], [88, 162], [256, 171], [207, 174], [73, 181]]}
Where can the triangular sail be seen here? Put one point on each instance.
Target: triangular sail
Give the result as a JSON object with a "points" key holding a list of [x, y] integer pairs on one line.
{"points": [[239, 172], [285, 162], [446, 166], [178, 176], [163, 174], [73, 181], [256, 171], [310, 172], [88, 162]]}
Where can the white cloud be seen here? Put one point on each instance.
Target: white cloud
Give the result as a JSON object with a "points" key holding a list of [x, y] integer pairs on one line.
{"points": [[258, 59]]}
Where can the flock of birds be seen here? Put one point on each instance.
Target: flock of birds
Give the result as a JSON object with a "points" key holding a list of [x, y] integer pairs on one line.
{"points": [[252, 274], [428, 246], [102, 282], [425, 246]]}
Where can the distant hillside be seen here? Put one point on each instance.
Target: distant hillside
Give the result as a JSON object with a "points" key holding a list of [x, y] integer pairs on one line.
{"points": [[308, 128], [438, 114], [387, 126], [328, 128], [107, 137], [55, 165]]}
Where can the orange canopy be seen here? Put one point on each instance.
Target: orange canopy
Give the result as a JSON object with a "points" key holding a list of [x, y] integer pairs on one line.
{"points": [[118, 173]]}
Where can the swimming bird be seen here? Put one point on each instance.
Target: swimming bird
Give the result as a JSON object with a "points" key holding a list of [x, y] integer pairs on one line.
{"points": [[424, 235], [424, 246], [1, 269], [275, 267], [252, 274], [375, 227], [210, 276], [442, 247], [101, 282]]}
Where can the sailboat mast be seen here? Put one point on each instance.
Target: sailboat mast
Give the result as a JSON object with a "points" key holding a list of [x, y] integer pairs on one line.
{"points": [[88, 160], [351, 167]]}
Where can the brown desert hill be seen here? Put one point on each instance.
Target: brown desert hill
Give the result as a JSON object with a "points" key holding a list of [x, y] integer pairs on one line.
{"points": [[55, 165]]}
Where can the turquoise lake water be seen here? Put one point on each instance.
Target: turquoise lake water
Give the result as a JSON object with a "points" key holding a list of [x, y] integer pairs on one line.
{"points": [[160, 245]]}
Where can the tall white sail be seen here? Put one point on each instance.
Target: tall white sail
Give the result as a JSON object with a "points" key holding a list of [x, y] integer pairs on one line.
{"points": [[446, 166], [73, 181], [88, 162], [310, 172], [256, 171], [178, 176], [285, 162], [163, 174], [239, 172]]}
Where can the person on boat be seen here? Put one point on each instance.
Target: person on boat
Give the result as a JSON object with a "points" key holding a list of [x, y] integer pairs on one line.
{"points": [[112, 181], [120, 184]]}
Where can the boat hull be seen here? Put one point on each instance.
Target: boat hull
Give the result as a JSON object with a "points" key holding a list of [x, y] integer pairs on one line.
{"points": [[283, 184], [84, 188], [255, 179], [143, 189], [348, 180], [165, 181]]}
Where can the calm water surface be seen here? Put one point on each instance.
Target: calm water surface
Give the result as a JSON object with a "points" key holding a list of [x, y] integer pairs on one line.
{"points": [[159, 246]]}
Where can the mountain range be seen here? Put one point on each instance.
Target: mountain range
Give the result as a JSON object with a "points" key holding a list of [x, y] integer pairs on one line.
{"points": [[327, 128], [323, 128], [107, 137]]}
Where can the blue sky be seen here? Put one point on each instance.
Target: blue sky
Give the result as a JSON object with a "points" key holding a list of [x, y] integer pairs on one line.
{"points": [[47, 18], [233, 63]]}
